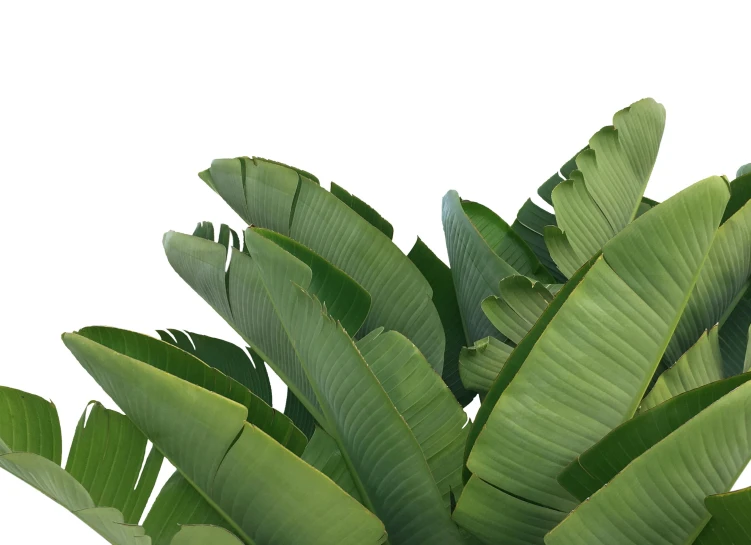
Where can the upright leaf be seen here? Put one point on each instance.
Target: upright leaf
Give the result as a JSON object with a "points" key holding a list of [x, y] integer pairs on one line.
{"points": [[589, 369]]}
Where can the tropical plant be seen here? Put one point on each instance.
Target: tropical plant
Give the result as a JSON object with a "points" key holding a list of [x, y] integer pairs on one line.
{"points": [[608, 342]]}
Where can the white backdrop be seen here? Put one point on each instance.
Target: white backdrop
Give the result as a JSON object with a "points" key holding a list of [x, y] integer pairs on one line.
{"points": [[107, 112]]}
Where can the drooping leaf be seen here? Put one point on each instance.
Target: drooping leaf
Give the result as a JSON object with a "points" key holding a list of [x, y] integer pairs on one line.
{"points": [[480, 364], [106, 457], [385, 459], [700, 365], [597, 466], [590, 368], [441, 281], [175, 361], [659, 497], [730, 523], [604, 193], [290, 202], [267, 494], [498, 518], [228, 358]]}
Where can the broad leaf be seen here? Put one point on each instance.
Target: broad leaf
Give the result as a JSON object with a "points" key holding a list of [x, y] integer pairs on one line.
{"points": [[383, 455], [590, 368], [363, 209], [520, 304], [292, 203], [530, 224], [267, 494], [498, 518], [594, 468], [659, 497], [323, 454], [204, 534], [734, 335]]}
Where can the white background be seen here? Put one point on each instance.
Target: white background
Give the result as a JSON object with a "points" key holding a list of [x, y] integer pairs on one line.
{"points": [[108, 111]]}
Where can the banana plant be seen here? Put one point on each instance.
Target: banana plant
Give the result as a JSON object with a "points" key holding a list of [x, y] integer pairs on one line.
{"points": [[605, 333]]}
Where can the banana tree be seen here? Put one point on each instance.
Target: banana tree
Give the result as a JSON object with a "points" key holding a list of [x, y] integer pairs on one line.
{"points": [[605, 333]]}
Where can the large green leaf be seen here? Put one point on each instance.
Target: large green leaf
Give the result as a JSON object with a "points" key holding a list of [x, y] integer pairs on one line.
{"points": [[659, 497], [323, 454], [498, 518], [384, 457], [700, 365], [730, 523], [101, 485], [480, 363], [720, 285], [178, 362], [441, 281], [517, 358], [363, 209], [290, 202], [603, 195], [590, 368], [594, 468], [228, 358], [482, 251], [267, 494]]}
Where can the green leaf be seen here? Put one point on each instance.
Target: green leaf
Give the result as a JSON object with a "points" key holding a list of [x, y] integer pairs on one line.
{"points": [[323, 454], [597, 466], [288, 201], [177, 362], [745, 169], [590, 368], [228, 358], [517, 358], [700, 365], [363, 209], [561, 251], [659, 497], [604, 194], [498, 518], [480, 363], [296, 411], [272, 500], [545, 191], [441, 281], [179, 503], [345, 298], [204, 534], [720, 285], [383, 456], [734, 335], [432, 413], [520, 304], [729, 524], [530, 224], [106, 456], [479, 243]]}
